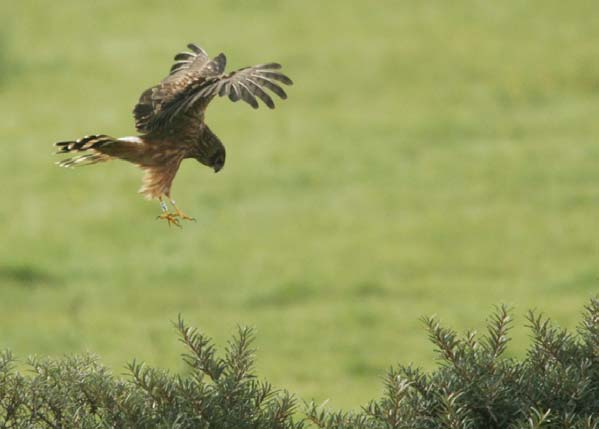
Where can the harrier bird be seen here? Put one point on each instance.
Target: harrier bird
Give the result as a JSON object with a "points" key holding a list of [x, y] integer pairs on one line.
{"points": [[170, 119]]}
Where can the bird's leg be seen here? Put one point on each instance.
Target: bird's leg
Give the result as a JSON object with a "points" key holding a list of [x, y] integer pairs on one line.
{"points": [[179, 213], [170, 217]]}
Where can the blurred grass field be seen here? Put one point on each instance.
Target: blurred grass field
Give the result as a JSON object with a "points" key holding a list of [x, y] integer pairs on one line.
{"points": [[431, 158]]}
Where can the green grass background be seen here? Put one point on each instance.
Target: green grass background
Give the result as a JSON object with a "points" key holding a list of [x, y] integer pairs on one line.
{"points": [[433, 157]]}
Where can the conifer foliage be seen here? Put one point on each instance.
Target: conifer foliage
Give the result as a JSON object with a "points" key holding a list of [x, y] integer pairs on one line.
{"points": [[217, 392], [476, 387], [556, 385]]}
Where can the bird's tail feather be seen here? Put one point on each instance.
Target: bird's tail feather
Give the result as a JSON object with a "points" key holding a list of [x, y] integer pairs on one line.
{"points": [[78, 161], [88, 143], [85, 143]]}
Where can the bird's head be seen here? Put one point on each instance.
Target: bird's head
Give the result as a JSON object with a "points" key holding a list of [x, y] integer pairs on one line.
{"points": [[210, 151], [218, 160]]}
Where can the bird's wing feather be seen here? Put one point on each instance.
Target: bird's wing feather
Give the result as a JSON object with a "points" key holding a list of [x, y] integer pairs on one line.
{"points": [[244, 84], [195, 80], [160, 104], [250, 82]]}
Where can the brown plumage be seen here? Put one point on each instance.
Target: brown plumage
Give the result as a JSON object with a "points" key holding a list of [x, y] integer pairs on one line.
{"points": [[170, 118]]}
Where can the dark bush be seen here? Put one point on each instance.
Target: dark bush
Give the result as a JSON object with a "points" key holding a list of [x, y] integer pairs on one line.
{"points": [[219, 392], [555, 386]]}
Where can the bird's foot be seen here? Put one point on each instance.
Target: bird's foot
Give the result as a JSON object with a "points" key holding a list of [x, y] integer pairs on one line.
{"points": [[183, 216], [171, 218]]}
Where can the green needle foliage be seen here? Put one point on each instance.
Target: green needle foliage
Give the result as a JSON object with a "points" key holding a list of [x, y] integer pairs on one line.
{"points": [[556, 385], [79, 393]]}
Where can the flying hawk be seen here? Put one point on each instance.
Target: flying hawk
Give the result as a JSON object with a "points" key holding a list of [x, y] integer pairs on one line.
{"points": [[170, 120]]}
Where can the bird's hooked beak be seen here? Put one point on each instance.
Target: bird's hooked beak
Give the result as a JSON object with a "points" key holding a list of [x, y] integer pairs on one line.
{"points": [[218, 168]]}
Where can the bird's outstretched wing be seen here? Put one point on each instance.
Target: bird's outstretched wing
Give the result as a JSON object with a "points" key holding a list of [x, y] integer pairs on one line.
{"points": [[158, 105], [194, 80]]}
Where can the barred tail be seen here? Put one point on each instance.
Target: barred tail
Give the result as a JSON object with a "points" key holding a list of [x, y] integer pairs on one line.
{"points": [[88, 143]]}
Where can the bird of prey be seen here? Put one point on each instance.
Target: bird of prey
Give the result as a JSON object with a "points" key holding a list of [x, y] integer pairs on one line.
{"points": [[170, 120]]}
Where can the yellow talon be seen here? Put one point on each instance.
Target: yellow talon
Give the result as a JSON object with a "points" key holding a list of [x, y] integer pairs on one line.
{"points": [[170, 218], [183, 215]]}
